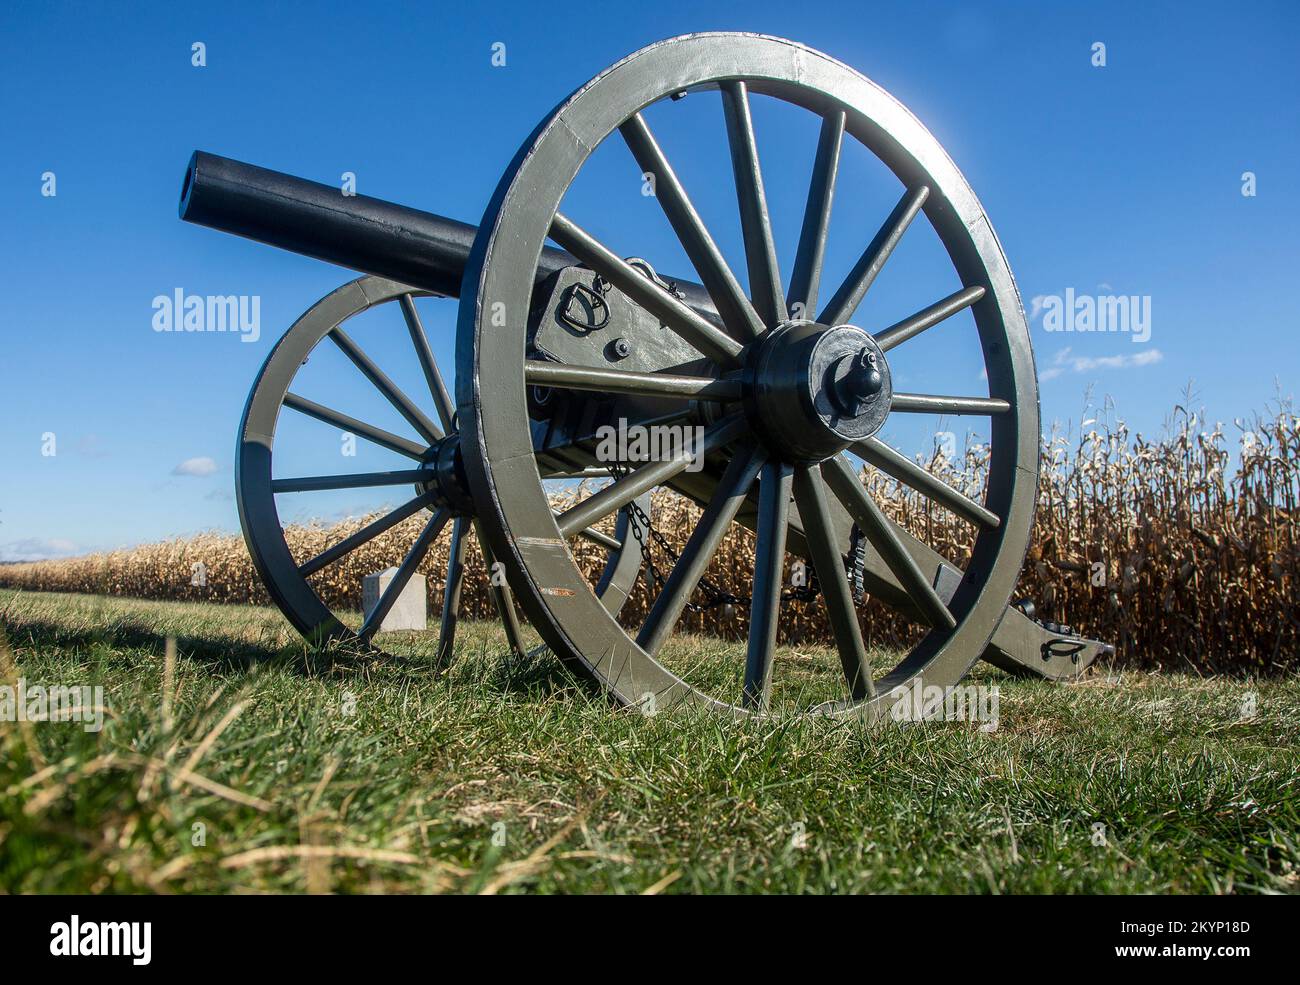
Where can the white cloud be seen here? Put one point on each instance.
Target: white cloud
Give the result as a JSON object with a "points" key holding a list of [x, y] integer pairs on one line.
{"points": [[36, 549], [197, 467], [1065, 362]]}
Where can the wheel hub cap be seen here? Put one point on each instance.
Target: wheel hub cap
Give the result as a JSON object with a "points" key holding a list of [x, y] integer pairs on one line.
{"points": [[814, 390]]}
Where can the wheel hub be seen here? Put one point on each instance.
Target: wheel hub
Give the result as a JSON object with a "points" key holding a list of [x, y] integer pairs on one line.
{"points": [[448, 483], [814, 390]]}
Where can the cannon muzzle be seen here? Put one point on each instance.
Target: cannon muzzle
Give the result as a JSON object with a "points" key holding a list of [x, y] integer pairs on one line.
{"points": [[365, 234]]}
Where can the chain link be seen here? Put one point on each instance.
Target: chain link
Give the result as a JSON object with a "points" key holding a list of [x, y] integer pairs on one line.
{"points": [[642, 527]]}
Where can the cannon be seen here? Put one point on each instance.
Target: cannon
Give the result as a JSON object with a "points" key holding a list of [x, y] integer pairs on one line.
{"points": [[561, 336]]}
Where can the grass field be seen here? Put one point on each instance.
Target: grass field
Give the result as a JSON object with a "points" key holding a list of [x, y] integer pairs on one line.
{"points": [[247, 765]]}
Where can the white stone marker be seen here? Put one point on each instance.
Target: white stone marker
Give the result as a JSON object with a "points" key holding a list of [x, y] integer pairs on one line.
{"points": [[408, 612]]}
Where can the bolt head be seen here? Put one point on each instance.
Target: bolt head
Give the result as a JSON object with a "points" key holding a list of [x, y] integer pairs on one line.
{"points": [[859, 381]]}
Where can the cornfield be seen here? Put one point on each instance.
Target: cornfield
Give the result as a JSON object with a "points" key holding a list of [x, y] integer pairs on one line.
{"points": [[1179, 552]]}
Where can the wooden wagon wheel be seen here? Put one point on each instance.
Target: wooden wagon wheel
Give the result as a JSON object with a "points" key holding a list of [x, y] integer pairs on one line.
{"points": [[438, 496], [783, 398]]}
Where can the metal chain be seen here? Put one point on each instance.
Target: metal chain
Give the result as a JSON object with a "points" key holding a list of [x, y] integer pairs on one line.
{"points": [[642, 526]]}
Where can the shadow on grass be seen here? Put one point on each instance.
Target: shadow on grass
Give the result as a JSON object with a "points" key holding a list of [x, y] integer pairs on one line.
{"points": [[537, 675], [219, 655]]}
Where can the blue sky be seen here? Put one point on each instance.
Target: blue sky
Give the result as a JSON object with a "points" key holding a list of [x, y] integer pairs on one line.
{"points": [[1124, 179]]}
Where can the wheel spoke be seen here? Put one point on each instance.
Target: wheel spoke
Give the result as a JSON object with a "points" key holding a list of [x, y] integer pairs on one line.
{"points": [[927, 317], [567, 377], [354, 480], [875, 525], [685, 321], [622, 491], [755, 223], [810, 495], [908, 472], [393, 442], [502, 597], [700, 548], [817, 217], [850, 294], [437, 387], [414, 556], [576, 473], [769, 560], [602, 539], [366, 533], [926, 403], [451, 591], [732, 304], [400, 401]]}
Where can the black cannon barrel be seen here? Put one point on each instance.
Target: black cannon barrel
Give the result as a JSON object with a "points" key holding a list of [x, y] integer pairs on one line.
{"points": [[366, 234], [357, 231]]}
